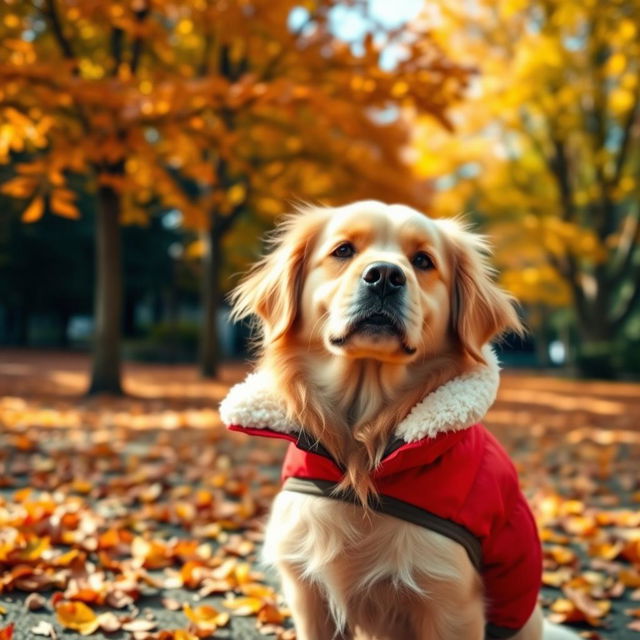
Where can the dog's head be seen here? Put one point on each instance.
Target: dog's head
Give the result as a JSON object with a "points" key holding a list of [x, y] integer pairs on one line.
{"points": [[376, 281]]}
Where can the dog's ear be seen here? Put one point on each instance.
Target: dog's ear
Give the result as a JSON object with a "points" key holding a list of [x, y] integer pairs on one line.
{"points": [[481, 310], [271, 290]]}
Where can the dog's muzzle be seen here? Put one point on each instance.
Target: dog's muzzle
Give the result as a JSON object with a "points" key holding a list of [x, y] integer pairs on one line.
{"points": [[378, 309]]}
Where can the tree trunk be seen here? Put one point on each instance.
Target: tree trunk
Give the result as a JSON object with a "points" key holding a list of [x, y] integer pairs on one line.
{"points": [[18, 325], [210, 299], [129, 327], [105, 375], [596, 351], [63, 328]]}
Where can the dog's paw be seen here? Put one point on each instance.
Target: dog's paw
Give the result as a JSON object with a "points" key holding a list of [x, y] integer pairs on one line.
{"points": [[555, 632]]}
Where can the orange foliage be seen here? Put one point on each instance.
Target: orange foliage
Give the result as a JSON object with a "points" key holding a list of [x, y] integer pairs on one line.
{"points": [[233, 100]]}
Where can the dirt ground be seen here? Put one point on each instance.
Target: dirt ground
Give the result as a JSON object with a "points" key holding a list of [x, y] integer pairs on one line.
{"points": [[143, 509]]}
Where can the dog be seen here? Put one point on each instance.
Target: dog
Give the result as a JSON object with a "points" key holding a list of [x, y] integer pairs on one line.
{"points": [[400, 516]]}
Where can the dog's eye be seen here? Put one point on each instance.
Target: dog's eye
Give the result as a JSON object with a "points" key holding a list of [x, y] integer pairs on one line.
{"points": [[422, 261], [345, 250]]}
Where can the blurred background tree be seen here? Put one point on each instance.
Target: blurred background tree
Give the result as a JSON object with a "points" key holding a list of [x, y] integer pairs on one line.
{"points": [[175, 133], [305, 120], [201, 108], [545, 154]]}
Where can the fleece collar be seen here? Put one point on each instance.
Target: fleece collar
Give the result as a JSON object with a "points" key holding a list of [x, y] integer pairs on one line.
{"points": [[455, 405]]}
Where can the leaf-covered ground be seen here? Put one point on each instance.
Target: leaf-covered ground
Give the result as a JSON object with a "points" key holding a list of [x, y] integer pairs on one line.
{"points": [[140, 517]]}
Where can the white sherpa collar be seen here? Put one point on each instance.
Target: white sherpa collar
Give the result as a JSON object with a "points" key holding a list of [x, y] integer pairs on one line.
{"points": [[455, 405]]}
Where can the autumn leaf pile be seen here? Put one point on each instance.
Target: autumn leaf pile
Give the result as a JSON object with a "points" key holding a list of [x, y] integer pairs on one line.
{"points": [[143, 516], [576, 446], [96, 522]]}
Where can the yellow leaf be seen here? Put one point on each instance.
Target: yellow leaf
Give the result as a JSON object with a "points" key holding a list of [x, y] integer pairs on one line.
{"points": [[236, 194], [399, 89], [35, 548], [627, 28], [62, 204], [195, 250], [34, 211], [621, 100], [31, 169], [205, 616], [19, 187], [77, 616], [270, 614], [244, 606], [616, 64], [630, 578], [257, 590]]}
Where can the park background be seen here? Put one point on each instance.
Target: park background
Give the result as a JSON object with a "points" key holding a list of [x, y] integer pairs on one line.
{"points": [[146, 147]]}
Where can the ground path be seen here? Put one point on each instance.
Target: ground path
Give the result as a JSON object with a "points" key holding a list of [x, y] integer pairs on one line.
{"points": [[144, 509]]}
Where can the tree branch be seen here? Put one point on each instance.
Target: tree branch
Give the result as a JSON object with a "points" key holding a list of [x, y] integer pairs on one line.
{"points": [[58, 31], [627, 131], [203, 67], [137, 46], [64, 43], [223, 224], [632, 302], [622, 261], [117, 38], [559, 167]]}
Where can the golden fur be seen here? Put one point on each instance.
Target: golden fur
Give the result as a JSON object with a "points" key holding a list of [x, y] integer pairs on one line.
{"points": [[343, 566], [300, 292]]}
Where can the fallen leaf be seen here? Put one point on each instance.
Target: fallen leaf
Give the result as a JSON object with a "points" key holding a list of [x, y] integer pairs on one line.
{"points": [[109, 622], [607, 550], [561, 555], [139, 625], [205, 616], [46, 629], [244, 606], [34, 602], [171, 604], [629, 578], [77, 616], [119, 599], [7, 632], [270, 614]]}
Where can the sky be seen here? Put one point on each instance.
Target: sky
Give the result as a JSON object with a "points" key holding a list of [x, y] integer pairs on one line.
{"points": [[350, 25]]}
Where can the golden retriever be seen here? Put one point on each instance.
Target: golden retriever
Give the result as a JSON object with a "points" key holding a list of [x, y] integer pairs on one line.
{"points": [[366, 310]]}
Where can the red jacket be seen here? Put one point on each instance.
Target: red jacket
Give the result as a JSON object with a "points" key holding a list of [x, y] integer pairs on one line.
{"points": [[458, 482]]}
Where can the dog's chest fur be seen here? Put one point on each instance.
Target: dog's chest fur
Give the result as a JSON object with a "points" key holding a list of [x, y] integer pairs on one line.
{"points": [[357, 559]]}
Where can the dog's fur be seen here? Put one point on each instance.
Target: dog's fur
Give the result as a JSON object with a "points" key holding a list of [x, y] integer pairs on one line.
{"points": [[346, 570]]}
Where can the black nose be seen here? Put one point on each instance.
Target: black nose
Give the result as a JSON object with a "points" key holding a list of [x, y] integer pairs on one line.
{"points": [[384, 277]]}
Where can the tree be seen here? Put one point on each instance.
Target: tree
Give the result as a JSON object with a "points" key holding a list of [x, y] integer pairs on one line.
{"points": [[547, 154], [140, 100], [75, 80], [312, 118]]}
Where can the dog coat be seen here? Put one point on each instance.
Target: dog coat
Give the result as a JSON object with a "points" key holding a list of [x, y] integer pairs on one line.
{"points": [[442, 470]]}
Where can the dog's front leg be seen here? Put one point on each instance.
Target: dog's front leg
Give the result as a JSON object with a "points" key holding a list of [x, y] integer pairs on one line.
{"points": [[308, 606], [533, 629], [539, 629]]}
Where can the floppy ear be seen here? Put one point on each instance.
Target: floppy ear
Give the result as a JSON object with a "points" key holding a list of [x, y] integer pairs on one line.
{"points": [[271, 290], [481, 310]]}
